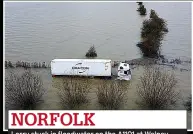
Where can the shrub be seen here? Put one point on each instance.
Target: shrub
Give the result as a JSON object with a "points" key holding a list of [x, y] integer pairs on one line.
{"points": [[188, 103], [156, 89], [18, 64], [155, 27], [91, 52], [152, 33], [24, 91], [27, 65], [142, 10], [140, 3], [8, 64], [44, 65], [111, 94], [150, 48], [73, 93]]}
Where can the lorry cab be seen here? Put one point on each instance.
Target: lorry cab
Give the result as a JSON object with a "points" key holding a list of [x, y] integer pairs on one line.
{"points": [[124, 71]]}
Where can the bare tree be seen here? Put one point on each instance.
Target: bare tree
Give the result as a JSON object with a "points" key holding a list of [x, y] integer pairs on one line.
{"points": [[73, 93], [111, 94], [156, 88], [188, 103], [23, 92]]}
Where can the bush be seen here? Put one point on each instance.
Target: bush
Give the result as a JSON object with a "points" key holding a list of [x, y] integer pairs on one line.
{"points": [[23, 92], [155, 27], [152, 33], [8, 64], [73, 93], [156, 89], [140, 3], [142, 10], [91, 52], [111, 94], [188, 103], [150, 48]]}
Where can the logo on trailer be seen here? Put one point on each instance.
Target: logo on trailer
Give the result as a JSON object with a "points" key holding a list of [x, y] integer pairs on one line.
{"points": [[81, 68]]}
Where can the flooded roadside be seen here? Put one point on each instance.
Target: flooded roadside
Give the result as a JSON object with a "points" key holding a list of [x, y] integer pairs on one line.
{"points": [[53, 84]]}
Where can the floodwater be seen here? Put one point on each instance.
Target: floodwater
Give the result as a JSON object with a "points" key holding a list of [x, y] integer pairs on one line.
{"points": [[53, 84], [45, 31]]}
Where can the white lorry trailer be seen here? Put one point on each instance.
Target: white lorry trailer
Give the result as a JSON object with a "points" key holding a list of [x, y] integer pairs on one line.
{"points": [[87, 67]]}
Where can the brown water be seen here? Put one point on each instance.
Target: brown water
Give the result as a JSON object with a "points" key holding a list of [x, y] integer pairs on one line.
{"points": [[44, 31], [52, 85]]}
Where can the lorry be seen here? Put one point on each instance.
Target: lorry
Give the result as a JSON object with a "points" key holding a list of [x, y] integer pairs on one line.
{"points": [[89, 67], [124, 71]]}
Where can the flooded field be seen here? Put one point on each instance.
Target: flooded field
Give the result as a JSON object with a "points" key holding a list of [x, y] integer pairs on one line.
{"points": [[53, 84]]}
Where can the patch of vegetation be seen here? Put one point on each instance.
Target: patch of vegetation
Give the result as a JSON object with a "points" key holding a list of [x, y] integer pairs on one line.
{"points": [[111, 94], [142, 10], [23, 92], [91, 52], [188, 103], [156, 89], [73, 93], [8, 64], [139, 3], [26, 65], [152, 33]]}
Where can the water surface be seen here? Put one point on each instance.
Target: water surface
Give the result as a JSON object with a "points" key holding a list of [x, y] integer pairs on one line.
{"points": [[44, 31]]}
